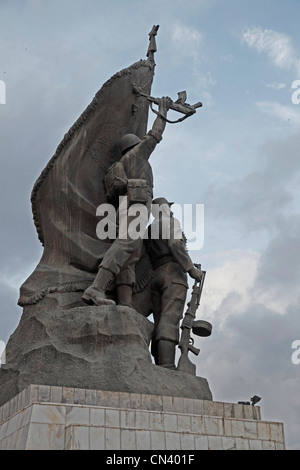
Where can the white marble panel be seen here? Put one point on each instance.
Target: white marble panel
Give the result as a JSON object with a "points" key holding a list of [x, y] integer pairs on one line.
{"points": [[172, 441], [77, 415], [97, 438], [187, 441], [48, 414], [143, 440], [201, 443], [45, 437], [112, 439], [158, 440], [215, 443]]}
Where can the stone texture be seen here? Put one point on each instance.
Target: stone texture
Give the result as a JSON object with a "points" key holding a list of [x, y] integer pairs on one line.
{"points": [[40, 425], [92, 348], [69, 190], [126, 402]]}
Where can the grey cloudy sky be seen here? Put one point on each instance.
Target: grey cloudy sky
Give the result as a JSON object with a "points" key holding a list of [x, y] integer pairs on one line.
{"points": [[239, 156]]}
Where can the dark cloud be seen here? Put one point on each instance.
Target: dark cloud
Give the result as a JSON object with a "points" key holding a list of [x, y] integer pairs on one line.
{"points": [[260, 198], [280, 261], [56, 56], [251, 354]]}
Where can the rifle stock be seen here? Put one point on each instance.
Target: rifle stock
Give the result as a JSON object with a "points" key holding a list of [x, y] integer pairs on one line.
{"points": [[185, 365]]}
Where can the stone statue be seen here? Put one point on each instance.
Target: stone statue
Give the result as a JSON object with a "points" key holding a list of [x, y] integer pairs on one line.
{"points": [[131, 177], [86, 305], [166, 247]]}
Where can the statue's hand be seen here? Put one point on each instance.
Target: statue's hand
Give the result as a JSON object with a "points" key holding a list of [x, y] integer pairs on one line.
{"points": [[164, 105], [196, 274]]}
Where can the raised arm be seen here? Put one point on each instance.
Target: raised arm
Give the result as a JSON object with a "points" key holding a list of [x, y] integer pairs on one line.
{"points": [[163, 108], [154, 136]]}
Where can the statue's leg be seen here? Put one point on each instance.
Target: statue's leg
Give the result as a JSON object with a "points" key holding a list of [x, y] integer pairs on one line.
{"points": [[125, 251], [95, 294], [119, 256], [156, 306], [173, 300], [166, 354], [125, 282]]}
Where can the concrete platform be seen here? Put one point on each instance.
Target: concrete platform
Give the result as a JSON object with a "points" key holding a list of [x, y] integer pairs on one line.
{"points": [[45, 417]]}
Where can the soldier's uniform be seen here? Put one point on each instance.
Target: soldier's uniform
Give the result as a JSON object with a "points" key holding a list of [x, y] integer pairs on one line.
{"points": [[166, 247], [135, 169], [132, 177]]}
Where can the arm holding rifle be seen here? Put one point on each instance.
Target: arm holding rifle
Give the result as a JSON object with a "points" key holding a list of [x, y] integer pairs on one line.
{"points": [[178, 249], [154, 136], [179, 105]]}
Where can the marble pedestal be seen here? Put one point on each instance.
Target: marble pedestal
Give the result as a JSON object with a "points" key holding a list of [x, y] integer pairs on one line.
{"points": [[44, 417]]}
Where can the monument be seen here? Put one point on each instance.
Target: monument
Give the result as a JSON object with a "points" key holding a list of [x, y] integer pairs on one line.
{"points": [[85, 344]]}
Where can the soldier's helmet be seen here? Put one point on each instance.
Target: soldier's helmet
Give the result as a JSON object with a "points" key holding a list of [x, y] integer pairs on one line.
{"points": [[128, 141], [161, 200]]}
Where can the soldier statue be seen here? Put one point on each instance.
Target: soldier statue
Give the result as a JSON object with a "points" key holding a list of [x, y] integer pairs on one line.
{"points": [[166, 246], [131, 177]]}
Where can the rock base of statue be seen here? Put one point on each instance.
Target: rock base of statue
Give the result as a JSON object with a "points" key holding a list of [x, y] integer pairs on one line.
{"points": [[43, 417], [63, 342]]}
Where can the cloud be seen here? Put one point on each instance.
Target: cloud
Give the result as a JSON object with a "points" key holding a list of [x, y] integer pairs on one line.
{"points": [[276, 86], [280, 262], [260, 200], [186, 45], [277, 46], [227, 58], [250, 297], [254, 325], [279, 111], [228, 283], [242, 278], [187, 37]]}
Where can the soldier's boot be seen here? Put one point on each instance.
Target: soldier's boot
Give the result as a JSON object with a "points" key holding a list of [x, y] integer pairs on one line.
{"points": [[95, 294], [124, 294], [166, 354]]}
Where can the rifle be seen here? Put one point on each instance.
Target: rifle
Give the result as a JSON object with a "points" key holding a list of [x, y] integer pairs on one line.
{"points": [[180, 105], [198, 327]]}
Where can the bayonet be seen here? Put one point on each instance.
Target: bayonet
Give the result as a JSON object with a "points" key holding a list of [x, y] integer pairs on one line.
{"points": [[152, 44]]}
